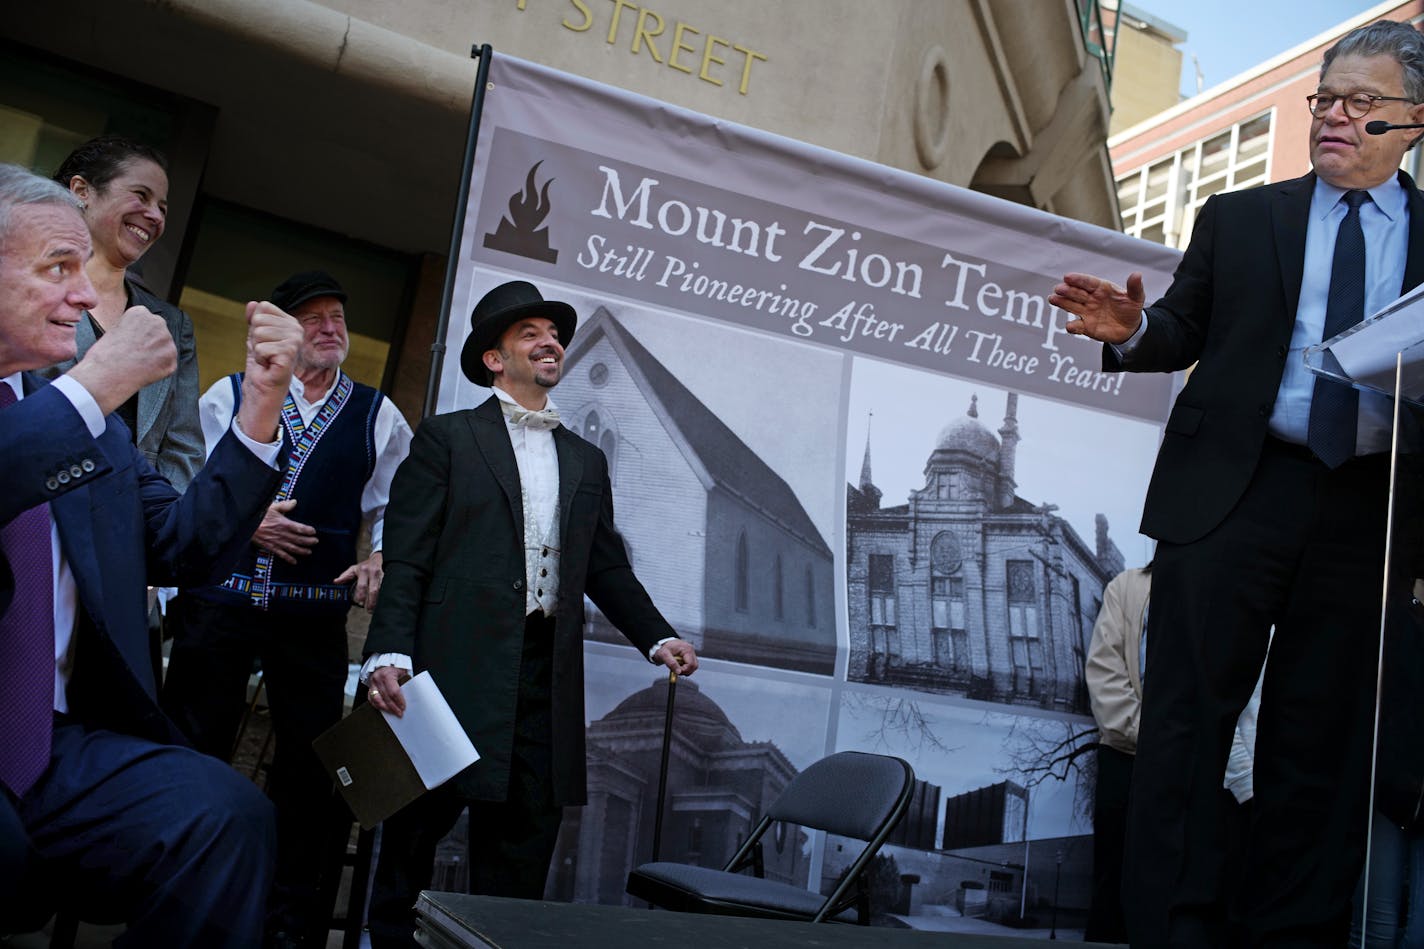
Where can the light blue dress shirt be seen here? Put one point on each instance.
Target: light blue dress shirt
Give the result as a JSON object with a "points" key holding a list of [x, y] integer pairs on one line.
{"points": [[1385, 221]]}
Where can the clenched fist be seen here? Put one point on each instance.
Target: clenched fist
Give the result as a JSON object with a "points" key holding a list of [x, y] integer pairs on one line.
{"points": [[273, 341], [137, 350]]}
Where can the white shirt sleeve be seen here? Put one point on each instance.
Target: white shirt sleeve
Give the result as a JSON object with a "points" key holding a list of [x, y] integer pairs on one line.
{"points": [[392, 439], [216, 416], [83, 403], [1125, 348], [379, 659], [215, 413]]}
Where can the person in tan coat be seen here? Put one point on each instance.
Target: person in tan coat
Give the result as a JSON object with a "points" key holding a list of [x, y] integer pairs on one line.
{"points": [[1114, 674]]}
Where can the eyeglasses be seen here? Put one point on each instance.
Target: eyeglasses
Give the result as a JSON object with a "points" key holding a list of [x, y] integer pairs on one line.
{"points": [[1357, 104]]}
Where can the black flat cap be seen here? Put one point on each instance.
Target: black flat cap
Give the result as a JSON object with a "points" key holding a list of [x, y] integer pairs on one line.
{"points": [[307, 285]]}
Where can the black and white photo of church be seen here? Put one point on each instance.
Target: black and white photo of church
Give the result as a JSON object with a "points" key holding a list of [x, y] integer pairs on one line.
{"points": [[966, 588], [724, 544]]}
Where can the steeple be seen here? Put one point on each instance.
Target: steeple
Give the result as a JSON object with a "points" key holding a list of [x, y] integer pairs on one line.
{"points": [[1008, 442], [868, 490], [865, 481]]}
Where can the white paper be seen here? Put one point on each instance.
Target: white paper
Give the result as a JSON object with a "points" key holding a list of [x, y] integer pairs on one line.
{"points": [[430, 733]]}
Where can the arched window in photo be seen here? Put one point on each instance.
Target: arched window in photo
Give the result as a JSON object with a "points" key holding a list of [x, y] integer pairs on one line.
{"points": [[608, 442]]}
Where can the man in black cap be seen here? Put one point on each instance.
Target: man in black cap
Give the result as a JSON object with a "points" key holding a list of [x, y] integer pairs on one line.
{"points": [[500, 521], [288, 598]]}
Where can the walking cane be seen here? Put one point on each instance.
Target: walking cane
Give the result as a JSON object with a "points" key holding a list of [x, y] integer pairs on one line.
{"points": [[662, 769]]}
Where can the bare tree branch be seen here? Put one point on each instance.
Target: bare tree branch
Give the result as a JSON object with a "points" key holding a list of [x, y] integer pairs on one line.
{"points": [[1040, 750], [897, 723]]}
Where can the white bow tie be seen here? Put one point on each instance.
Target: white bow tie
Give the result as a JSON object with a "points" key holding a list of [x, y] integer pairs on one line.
{"points": [[544, 419]]}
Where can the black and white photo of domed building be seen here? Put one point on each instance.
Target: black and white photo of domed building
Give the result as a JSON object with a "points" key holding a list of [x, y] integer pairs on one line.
{"points": [[967, 588]]}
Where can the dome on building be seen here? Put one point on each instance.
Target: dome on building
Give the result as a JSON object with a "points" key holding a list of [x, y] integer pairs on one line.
{"points": [[968, 435], [692, 710]]}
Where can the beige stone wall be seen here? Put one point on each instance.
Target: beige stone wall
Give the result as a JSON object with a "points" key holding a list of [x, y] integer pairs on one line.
{"points": [[931, 86], [350, 115], [1146, 77]]}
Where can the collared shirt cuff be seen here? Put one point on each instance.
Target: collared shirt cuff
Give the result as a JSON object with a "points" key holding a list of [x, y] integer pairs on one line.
{"points": [[1125, 348], [379, 659], [83, 403], [653, 652], [266, 452]]}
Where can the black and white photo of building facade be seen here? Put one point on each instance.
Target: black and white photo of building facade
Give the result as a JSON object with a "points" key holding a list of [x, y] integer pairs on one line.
{"points": [[968, 588], [720, 779], [724, 544]]}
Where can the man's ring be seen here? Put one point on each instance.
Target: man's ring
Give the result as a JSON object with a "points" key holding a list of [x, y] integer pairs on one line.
{"points": [[375, 692]]}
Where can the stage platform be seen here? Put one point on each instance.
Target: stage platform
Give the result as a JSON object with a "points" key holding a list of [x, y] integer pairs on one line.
{"points": [[457, 921]]}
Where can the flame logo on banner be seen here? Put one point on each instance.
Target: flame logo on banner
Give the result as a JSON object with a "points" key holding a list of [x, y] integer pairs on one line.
{"points": [[519, 231]]}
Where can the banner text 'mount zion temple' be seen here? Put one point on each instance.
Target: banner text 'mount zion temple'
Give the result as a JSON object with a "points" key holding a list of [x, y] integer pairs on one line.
{"points": [[856, 460]]}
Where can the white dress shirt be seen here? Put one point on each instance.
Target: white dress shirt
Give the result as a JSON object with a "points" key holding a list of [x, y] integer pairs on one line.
{"points": [[1385, 222], [538, 462]]}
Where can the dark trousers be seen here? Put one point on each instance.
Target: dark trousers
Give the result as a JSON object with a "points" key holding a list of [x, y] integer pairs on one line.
{"points": [[1302, 550], [511, 841], [1114, 781], [175, 843], [304, 669]]}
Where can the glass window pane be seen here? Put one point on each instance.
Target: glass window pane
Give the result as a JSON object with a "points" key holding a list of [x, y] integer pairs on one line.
{"points": [[1253, 173], [1157, 177], [1215, 153]]}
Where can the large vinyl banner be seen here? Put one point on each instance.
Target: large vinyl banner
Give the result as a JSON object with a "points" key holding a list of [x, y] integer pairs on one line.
{"points": [[857, 461]]}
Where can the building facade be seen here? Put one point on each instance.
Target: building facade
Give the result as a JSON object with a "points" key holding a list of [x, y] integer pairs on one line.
{"points": [[331, 133], [718, 788], [967, 588], [1146, 63], [1251, 130], [720, 540]]}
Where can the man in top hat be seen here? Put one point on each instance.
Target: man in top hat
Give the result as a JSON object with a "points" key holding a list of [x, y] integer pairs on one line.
{"points": [[288, 598], [499, 522]]}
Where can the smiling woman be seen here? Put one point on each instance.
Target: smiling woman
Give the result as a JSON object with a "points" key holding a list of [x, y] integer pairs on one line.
{"points": [[123, 188]]}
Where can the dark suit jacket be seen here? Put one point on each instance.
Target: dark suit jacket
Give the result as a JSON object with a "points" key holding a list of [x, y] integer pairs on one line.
{"points": [[123, 527], [453, 596], [1230, 309]]}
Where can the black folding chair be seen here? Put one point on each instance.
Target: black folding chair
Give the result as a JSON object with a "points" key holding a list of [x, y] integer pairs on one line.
{"points": [[850, 793]]}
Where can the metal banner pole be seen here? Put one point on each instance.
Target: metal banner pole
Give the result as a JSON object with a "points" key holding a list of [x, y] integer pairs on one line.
{"points": [[437, 347]]}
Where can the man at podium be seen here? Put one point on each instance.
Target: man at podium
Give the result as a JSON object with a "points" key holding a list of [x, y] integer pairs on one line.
{"points": [[1269, 503]]}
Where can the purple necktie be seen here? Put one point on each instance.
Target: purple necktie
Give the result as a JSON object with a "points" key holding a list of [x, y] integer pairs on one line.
{"points": [[27, 642]]}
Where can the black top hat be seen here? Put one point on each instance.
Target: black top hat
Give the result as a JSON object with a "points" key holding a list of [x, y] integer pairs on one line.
{"points": [[307, 285], [497, 311]]}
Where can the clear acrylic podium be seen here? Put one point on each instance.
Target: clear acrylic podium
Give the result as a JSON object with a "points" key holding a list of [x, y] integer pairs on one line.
{"points": [[1385, 355]]}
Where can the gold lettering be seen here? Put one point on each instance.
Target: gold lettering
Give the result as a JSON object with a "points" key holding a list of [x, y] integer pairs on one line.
{"points": [[678, 46], [709, 57], [618, 6], [582, 8], [642, 32], [749, 55]]}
